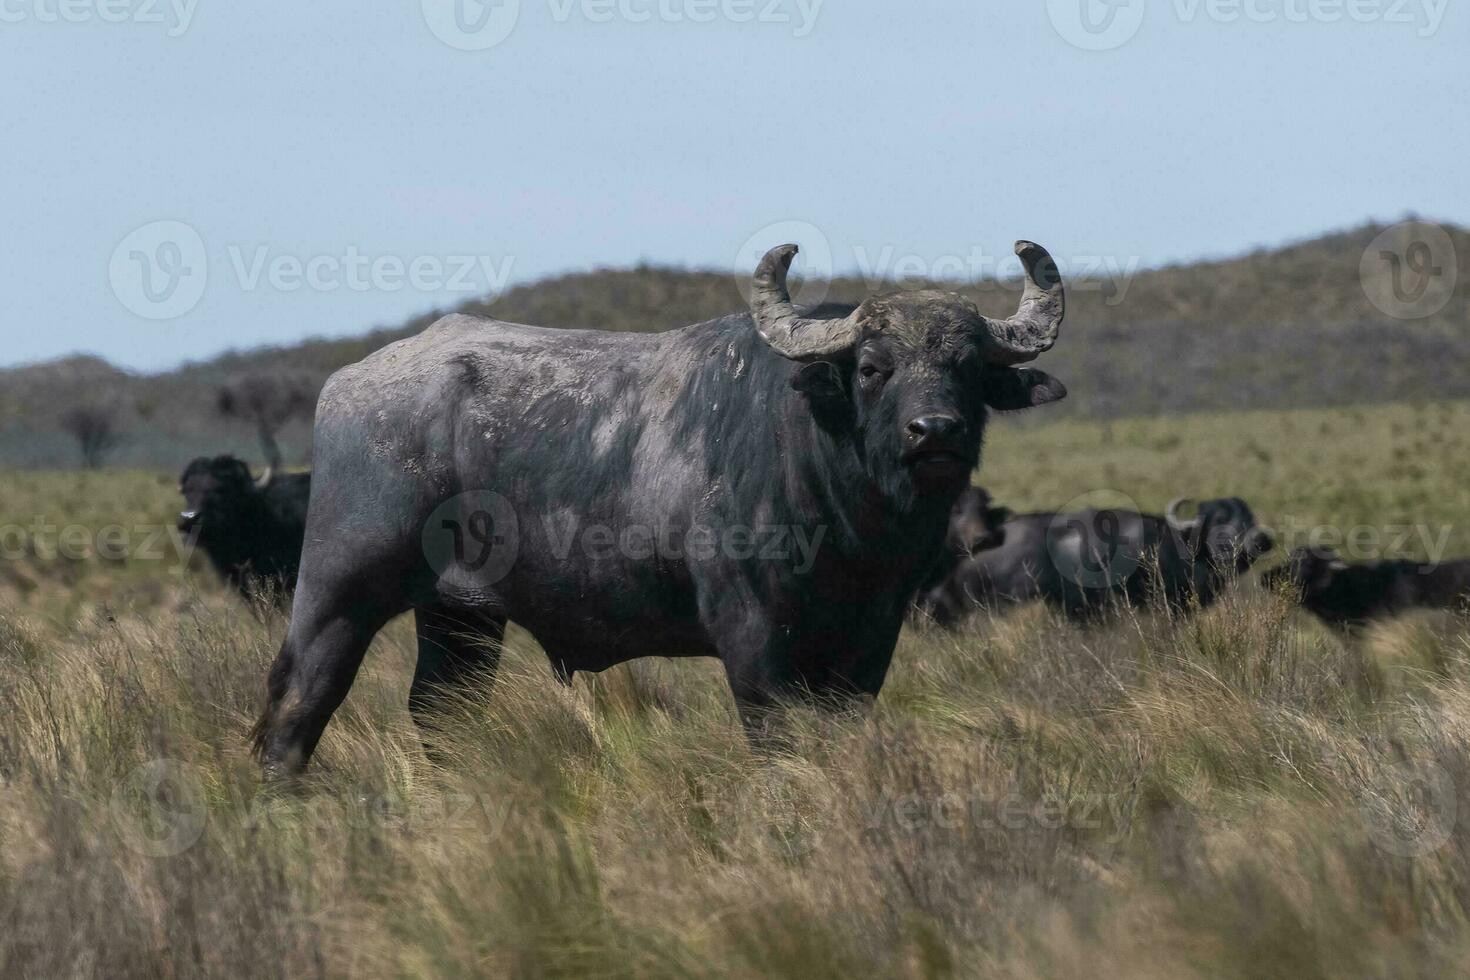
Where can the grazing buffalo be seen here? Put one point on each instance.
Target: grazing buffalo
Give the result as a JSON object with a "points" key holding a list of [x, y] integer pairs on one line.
{"points": [[1350, 595], [1086, 561], [767, 488], [250, 528]]}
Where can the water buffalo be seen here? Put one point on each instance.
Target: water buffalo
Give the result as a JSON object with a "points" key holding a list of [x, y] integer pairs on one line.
{"points": [[1084, 562], [1350, 595], [250, 528], [974, 526], [767, 488]]}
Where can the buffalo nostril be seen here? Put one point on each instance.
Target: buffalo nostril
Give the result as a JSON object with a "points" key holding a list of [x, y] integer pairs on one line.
{"points": [[933, 427]]}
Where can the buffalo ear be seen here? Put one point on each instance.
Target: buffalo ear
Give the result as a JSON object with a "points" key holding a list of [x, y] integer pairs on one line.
{"points": [[818, 380], [1321, 571], [821, 383], [1011, 389], [235, 469]]}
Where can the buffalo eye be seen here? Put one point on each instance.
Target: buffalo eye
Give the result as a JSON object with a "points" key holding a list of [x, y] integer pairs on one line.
{"points": [[872, 375]]}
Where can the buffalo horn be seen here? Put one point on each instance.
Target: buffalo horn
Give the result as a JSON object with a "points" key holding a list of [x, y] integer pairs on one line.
{"points": [[1034, 327], [790, 334]]}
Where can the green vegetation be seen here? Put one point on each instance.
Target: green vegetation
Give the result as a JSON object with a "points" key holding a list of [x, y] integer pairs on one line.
{"points": [[1370, 466], [1237, 794]]}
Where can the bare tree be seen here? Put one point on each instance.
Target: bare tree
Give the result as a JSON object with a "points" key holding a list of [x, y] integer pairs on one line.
{"points": [[268, 401], [95, 429]]}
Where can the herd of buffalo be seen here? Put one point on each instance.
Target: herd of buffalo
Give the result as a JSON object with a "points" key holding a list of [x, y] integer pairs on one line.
{"points": [[853, 428]]}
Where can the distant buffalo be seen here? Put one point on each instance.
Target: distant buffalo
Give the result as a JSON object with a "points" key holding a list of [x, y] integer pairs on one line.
{"points": [[251, 528], [1084, 562], [1351, 595]]}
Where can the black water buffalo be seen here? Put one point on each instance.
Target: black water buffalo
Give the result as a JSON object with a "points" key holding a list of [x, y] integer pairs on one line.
{"points": [[766, 488], [1350, 595], [1086, 561], [974, 526], [250, 528]]}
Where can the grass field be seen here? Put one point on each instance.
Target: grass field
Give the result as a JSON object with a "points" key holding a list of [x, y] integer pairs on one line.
{"points": [[1241, 793]]}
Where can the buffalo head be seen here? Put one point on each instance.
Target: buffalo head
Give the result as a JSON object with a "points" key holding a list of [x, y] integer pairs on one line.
{"points": [[1222, 531], [913, 372], [213, 488], [1308, 571], [974, 525]]}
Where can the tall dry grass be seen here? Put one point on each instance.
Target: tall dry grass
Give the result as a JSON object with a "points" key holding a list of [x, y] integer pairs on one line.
{"points": [[1235, 793]]}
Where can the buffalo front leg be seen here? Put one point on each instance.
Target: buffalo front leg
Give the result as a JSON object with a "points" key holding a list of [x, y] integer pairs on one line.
{"points": [[762, 689], [308, 681], [457, 648], [760, 680], [756, 701], [840, 673]]}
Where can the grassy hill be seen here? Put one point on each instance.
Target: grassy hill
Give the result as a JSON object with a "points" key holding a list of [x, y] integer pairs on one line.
{"points": [[1277, 328]]}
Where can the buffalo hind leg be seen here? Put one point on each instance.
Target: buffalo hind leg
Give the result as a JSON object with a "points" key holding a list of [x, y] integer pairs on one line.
{"points": [[457, 648], [309, 679]]}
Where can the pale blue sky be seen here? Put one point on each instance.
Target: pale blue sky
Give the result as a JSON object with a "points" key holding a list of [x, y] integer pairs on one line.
{"points": [[299, 132]]}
